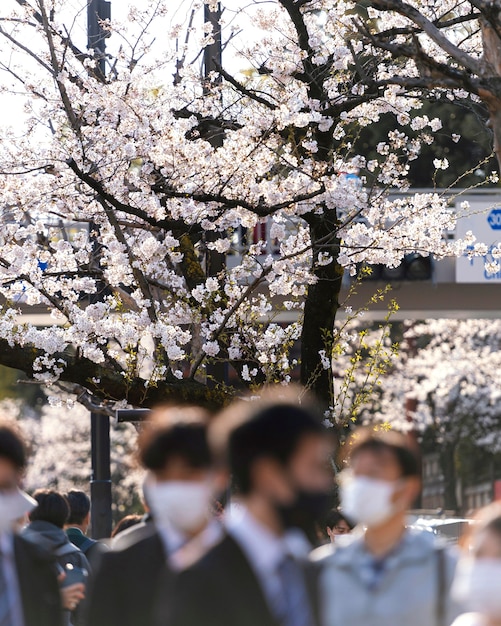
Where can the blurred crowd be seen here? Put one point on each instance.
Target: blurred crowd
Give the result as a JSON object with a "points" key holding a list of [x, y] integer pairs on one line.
{"points": [[240, 530]]}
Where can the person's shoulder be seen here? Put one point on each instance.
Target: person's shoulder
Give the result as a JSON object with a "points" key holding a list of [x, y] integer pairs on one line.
{"points": [[28, 546], [320, 554], [207, 560], [143, 532], [339, 551], [470, 619], [426, 544], [94, 548]]}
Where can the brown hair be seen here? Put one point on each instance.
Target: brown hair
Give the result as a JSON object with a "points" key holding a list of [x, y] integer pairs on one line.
{"points": [[270, 426], [175, 432], [404, 451]]}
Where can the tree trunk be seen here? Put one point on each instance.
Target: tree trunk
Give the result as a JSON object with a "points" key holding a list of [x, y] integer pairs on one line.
{"points": [[491, 95], [448, 462], [321, 305]]}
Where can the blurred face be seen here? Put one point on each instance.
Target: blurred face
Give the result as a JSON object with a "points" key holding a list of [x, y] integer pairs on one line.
{"points": [[476, 582], [9, 476], [14, 506], [299, 492], [487, 545], [341, 528], [178, 469], [383, 466], [179, 496], [380, 466], [308, 470], [309, 467], [374, 493]]}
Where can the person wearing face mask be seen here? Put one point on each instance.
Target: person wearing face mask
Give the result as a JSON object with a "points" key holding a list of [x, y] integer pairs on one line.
{"points": [[389, 575], [337, 525], [29, 590], [477, 584], [179, 487], [278, 456]]}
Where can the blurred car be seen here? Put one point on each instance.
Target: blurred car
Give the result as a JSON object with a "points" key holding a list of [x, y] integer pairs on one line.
{"points": [[451, 529]]}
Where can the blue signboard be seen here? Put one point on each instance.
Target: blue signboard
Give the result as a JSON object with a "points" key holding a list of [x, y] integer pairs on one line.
{"points": [[494, 219]]}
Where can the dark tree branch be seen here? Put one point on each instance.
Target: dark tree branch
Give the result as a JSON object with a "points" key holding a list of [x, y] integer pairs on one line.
{"points": [[428, 27], [410, 30], [103, 382], [242, 89], [95, 185]]}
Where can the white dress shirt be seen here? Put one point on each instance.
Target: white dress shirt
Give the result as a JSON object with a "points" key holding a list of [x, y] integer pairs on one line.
{"points": [[182, 551], [172, 538], [265, 550]]}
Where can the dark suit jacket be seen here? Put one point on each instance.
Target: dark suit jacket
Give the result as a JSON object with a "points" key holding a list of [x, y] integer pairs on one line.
{"points": [[220, 589], [38, 586], [124, 587]]}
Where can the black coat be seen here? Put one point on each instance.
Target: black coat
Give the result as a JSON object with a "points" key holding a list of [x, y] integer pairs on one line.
{"points": [[220, 589], [124, 588], [38, 586]]}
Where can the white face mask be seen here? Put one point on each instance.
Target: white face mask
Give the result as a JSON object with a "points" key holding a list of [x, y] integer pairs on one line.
{"points": [[181, 504], [14, 505], [477, 586], [366, 500]]}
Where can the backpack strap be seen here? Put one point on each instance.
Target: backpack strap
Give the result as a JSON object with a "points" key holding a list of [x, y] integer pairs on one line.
{"points": [[86, 544], [441, 585]]}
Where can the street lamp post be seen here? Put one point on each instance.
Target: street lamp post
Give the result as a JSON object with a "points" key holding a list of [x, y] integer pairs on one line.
{"points": [[98, 11]]}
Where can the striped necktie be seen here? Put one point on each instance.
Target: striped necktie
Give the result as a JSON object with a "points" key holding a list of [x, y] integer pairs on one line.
{"points": [[296, 608]]}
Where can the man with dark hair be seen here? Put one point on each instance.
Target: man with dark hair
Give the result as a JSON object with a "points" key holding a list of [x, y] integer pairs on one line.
{"points": [[399, 576], [29, 591], [173, 447], [78, 524], [278, 456], [46, 525], [337, 525]]}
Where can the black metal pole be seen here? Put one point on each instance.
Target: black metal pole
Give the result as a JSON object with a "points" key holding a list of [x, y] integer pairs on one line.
{"points": [[100, 485], [97, 11], [213, 53]]}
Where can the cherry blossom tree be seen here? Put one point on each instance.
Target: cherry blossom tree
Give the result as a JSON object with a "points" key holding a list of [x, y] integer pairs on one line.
{"points": [[438, 48], [166, 223], [449, 372]]}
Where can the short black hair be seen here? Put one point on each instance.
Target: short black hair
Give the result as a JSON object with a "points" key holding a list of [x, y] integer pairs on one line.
{"points": [[52, 507], [334, 516], [79, 503], [12, 446], [273, 431], [405, 452], [175, 432]]}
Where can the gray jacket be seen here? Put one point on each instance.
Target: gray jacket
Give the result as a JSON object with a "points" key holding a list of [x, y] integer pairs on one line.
{"points": [[402, 590]]}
